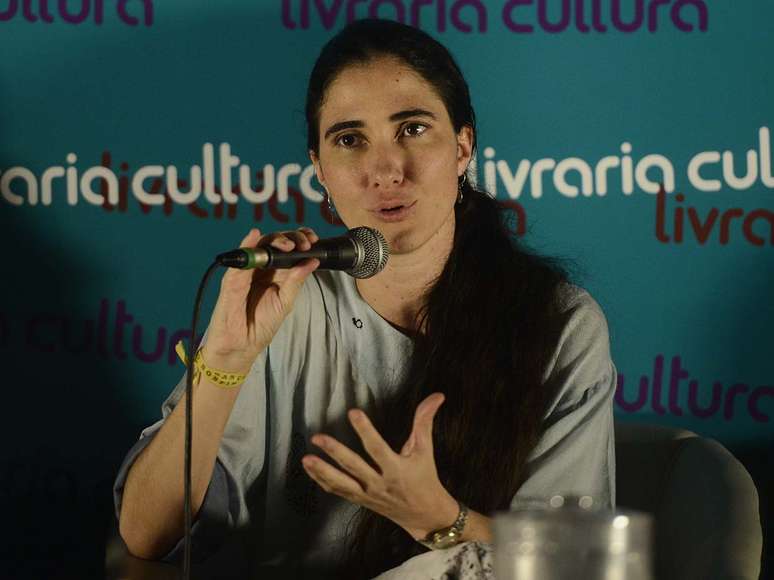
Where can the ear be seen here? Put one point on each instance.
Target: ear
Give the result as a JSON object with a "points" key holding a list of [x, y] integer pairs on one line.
{"points": [[464, 148], [317, 167]]}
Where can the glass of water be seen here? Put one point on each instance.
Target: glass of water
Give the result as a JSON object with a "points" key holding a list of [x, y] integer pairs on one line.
{"points": [[564, 538]]}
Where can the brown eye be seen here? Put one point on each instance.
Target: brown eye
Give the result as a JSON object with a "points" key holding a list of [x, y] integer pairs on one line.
{"points": [[414, 129], [348, 140]]}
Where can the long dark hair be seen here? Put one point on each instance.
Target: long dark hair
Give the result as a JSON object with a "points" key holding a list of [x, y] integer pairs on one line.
{"points": [[490, 321]]}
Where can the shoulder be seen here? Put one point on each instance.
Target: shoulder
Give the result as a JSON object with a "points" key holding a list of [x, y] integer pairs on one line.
{"points": [[581, 362], [582, 319]]}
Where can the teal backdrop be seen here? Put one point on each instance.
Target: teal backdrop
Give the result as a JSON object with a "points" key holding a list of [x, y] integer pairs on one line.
{"points": [[632, 137]]}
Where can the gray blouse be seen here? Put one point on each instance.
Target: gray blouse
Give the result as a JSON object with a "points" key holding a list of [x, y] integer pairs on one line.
{"points": [[332, 353]]}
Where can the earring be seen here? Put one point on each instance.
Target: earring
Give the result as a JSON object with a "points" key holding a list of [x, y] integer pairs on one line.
{"points": [[460, 184], [331, 207]]}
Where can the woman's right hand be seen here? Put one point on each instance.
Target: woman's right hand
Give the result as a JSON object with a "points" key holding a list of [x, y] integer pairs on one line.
{"points": [[253, 303]]}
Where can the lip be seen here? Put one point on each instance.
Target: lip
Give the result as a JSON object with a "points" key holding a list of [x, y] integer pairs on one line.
{"points": [[382, 213], [393, 202]]}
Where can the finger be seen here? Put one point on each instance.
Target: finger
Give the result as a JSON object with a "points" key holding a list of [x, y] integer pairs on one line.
{"points": [[373, 443], [331, 479], [251, 238], [350, 461], [281, 241], [301, 238], [310, 233], [295, 239], [422, 431], [409, 445]]}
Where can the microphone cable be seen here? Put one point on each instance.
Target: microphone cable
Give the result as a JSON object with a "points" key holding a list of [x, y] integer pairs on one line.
{"points": [[194, 347]]}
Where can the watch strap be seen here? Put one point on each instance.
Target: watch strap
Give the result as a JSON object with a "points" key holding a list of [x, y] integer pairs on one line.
{"points": [[450, 536]]}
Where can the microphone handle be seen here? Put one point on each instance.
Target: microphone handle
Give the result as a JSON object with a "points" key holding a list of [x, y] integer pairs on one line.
{"points": [[333, 253], [339, 253]]}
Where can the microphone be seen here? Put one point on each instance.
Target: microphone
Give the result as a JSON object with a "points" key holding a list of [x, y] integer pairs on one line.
{"points": [[362, 252]]}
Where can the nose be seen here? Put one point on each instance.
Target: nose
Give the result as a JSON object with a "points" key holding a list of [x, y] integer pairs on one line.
{"points": [[386, 167]]}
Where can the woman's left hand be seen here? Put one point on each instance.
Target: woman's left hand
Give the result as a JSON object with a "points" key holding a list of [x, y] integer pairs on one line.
{"points": [[405, 489]]}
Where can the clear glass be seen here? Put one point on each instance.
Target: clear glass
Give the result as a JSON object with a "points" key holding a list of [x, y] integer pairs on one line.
{"points": [[570, 537]]}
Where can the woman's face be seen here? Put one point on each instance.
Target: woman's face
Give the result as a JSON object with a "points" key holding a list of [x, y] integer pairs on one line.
{"points": [[388, 155]]}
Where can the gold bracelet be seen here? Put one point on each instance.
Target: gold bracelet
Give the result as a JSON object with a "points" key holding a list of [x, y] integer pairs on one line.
{"points": [[220, 378]]}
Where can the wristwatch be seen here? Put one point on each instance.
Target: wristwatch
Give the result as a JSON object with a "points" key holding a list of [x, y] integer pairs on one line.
{"points": [[447, 537]]}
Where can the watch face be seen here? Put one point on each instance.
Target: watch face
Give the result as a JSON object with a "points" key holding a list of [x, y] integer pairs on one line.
{"points": [[445, 539]]}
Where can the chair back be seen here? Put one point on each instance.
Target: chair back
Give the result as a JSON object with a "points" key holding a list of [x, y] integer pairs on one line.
{"points": [[704, 503]]}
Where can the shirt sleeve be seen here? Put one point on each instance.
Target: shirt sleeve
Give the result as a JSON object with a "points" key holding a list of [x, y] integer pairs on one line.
{"points": [[576, 453], [221, 509], [232, 498]]}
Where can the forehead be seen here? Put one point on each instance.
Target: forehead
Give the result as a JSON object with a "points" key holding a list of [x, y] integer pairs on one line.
{"points": [[378, 87]]}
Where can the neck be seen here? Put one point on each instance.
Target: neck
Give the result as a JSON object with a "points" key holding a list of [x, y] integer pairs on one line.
{"points": [[398, 292]]}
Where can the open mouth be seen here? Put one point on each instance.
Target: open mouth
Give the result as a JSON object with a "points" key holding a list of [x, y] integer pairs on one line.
{"points": [[396, 212]]}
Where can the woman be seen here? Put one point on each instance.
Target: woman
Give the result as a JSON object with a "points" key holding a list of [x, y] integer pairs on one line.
{"points": [[465, 375]]}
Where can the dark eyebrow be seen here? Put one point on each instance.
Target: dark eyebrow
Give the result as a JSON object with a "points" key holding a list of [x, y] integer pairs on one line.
{"points": [[343, 125], [399, 116], [411, 113]]}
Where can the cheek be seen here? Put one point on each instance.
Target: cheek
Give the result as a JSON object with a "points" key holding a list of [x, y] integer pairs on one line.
{"points": [[441, 168], [443, 165], [343, 177], [346, 185]]}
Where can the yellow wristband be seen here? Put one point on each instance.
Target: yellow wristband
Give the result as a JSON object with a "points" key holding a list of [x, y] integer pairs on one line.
{"points": [[220, 378]]}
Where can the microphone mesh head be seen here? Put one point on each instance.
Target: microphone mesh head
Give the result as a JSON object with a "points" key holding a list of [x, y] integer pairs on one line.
{"points": [[372, 249]]}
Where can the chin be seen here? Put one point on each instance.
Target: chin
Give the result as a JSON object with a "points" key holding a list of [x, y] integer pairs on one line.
{"points": [[403, 242], [406, 237]]}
